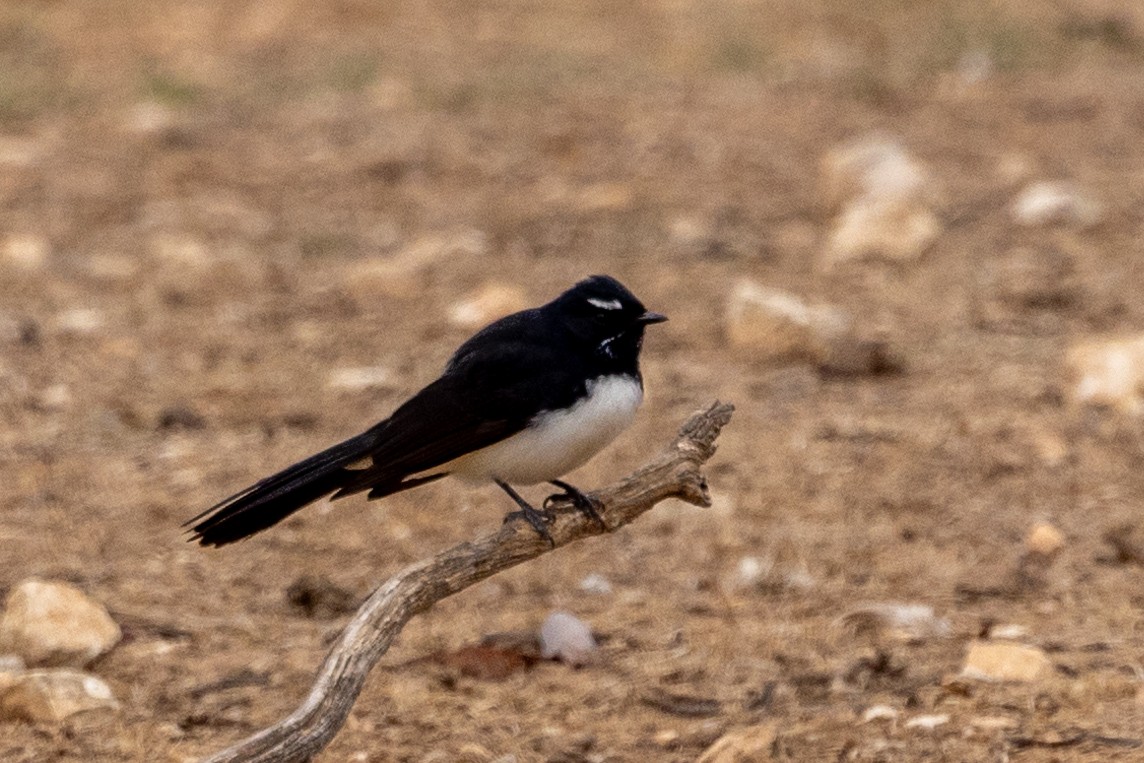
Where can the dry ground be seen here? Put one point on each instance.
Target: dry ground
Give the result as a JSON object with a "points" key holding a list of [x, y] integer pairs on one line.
{"points": [[210, 176]]}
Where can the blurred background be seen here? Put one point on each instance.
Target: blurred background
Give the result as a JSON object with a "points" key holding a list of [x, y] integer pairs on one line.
{"points": [[902, 237]]}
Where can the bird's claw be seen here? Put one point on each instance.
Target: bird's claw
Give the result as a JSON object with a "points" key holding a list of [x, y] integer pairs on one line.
{"points": [[585, 504], [538, 519]]}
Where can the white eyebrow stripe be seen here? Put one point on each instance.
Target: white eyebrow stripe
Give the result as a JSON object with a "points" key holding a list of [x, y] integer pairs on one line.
{"points": [[605, 304]]}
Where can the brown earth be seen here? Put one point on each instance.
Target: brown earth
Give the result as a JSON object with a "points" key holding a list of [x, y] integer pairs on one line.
{"points": [[210, 178]]}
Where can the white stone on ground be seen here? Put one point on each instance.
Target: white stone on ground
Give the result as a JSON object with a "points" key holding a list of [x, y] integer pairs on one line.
{"points": [[884, 201], [52, 623], [1109, 372], [1056, 202], [567, 638], [51, 696], [777, 325], [1004, 661]]}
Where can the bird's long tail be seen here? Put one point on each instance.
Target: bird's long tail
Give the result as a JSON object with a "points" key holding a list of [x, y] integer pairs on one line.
{"points": [[271, 500]]}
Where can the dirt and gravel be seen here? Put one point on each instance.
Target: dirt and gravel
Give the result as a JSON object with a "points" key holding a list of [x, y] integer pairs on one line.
{"points": [[211, 210]]}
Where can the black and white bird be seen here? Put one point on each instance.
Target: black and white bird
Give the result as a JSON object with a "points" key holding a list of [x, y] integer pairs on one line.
{"points": [[526, 400]]}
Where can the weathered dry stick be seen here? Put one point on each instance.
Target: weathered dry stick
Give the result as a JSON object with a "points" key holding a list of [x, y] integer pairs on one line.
{"points": [[675, 473]]}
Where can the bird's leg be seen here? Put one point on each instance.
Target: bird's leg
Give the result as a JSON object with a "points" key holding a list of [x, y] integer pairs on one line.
{"points": [[538, 519], [583, 503]]}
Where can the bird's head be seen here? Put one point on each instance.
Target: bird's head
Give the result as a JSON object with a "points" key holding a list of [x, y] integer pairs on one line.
{"points": [[601, 312]]}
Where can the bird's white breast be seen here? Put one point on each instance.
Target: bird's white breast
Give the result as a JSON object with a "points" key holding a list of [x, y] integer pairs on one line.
{"points": [[556, 442]]}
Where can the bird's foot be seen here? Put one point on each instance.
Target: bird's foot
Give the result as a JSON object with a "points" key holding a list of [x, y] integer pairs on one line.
{"points": [[538, 519], [583, 503]]}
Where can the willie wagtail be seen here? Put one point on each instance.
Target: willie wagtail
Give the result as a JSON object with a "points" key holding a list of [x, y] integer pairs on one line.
{"points": [[527, 399]]}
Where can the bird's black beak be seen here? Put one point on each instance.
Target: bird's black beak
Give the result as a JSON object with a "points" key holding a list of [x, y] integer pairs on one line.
{"points": [[650, 317]]}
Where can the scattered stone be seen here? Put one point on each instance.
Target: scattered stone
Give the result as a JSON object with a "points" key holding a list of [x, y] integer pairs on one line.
{"points": [[149, 118], [884, 199], [487, 304], [1109, 372], [318, 597], [26, 251], [11, 663], [1056, 202], [596, 583], [54, 624], [18, 151], [905, 622], [80, 321], [567, 638], [747, 745], [751, 571], [57, 397], [993, 723], [975, 66], [180, 249], [1008, 632], [1002, 661], [403, 274], [689, 232], [51, 696], [668, 738], [880, 713], [874, 166], [1044, 539], [927, 722], [777, 325], [891, 230], [360, 379]]}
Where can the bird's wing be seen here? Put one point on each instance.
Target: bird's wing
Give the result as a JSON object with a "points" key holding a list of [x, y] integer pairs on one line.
{"points": [[483, 398]]}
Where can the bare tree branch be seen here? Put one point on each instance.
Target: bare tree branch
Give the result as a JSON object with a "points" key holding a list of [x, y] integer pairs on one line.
{"points": [[675, 473]]}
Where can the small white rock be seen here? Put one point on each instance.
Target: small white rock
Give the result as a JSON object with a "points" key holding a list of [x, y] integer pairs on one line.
{"points": [[26, 251], [777, 325], [874, 167], [596, 583], [359, 379], [873, 228], [880, 713], [148, 118], [1004, 661], [80, 321], [927, 722], [567, 638], [56, 397], [885, 200], [52, 623], [1008, 632], [752, 570], [50, 696], [1044, 540], [1057, 202], [181, 250], [1109, 372], [19, 152]]}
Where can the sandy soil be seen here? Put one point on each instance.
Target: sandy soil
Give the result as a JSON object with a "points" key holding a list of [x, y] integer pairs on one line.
{"points": [[215, 182]]}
